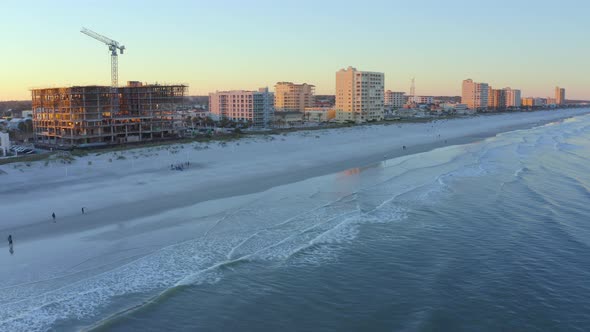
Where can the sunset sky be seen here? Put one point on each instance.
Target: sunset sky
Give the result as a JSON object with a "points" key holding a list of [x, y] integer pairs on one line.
{"points": [[231, 44]]}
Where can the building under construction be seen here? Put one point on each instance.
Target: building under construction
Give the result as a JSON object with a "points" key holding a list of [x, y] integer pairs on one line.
{"points": [[83, 116]]}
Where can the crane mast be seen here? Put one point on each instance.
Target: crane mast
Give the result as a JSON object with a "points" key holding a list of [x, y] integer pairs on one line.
{"points": [[114, 46]]}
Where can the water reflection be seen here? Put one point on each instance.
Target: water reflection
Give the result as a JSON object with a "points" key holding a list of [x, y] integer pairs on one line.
{"points": [[352, 171], [359, 170]]}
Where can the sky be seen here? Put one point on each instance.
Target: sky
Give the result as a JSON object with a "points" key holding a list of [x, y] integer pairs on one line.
{"points": [[235, 44]]}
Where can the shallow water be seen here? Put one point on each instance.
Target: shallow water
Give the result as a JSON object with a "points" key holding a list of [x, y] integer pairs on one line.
{"points": [[486, 236]]}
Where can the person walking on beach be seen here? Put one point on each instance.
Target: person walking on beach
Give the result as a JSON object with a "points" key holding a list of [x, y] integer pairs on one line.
{"points": [[53, 216], [83, 212], [10, 246]]}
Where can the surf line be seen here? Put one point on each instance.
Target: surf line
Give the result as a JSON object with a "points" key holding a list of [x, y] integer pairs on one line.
{"points": [[188, 280], [185, 282]]}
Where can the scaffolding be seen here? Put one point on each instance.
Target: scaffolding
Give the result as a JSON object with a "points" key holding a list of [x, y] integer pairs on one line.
{"points": [[84, 116]]}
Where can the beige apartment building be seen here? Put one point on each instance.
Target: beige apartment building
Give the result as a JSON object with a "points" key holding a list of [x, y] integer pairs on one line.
{"points": [[475, 95], [359, 95], [293, 97]]}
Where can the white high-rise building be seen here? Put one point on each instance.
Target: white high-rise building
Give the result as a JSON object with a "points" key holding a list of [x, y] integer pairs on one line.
{"points": [[475, 95], [394, 99], [513, 98], [243, 106], [359, 95]]}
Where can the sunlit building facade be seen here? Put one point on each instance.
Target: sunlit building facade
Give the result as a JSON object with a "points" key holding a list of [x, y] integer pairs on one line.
{"points": [[475, 95], [293, 97], [560, 96], [359, 95], [254, 107], [533, 102], [496, 98], [513, 98]]}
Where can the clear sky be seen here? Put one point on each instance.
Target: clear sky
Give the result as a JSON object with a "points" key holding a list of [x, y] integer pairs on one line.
{"points": [[213, 45]]}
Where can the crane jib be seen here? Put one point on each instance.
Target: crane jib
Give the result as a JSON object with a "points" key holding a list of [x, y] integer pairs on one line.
{"points": [[113, 47]]}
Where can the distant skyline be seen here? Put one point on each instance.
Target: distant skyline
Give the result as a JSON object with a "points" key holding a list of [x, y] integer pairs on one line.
{"points": [[228, 44]]}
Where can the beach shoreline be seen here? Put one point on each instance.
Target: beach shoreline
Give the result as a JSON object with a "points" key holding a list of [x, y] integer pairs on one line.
{"points": [[127, 208], [147, 228]]}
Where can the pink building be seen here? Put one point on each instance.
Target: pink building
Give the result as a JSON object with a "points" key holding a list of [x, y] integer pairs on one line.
{"points": [[243, 106]]}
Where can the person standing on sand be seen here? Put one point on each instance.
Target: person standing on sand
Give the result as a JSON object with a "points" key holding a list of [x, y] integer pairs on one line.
{"points": [[83, 212], [53, 216], [9, 239]]}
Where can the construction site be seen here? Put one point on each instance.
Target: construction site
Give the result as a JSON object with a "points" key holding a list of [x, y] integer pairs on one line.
{"points": [[98, 115], [85, 116]]}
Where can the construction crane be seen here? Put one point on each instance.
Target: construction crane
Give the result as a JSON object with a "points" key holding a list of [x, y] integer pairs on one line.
{"points": [[113, 47]]}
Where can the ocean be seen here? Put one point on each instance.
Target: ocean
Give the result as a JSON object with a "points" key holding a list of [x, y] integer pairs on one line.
{"points": [[488, 236]]}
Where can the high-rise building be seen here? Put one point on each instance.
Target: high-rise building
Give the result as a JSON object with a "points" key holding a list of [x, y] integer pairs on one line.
{"points": [[359, 95], [496, 99], [513, 99], [394, 99], [492, 103], [243, 106], [560, 96], [475, 95], [293, 97]]}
